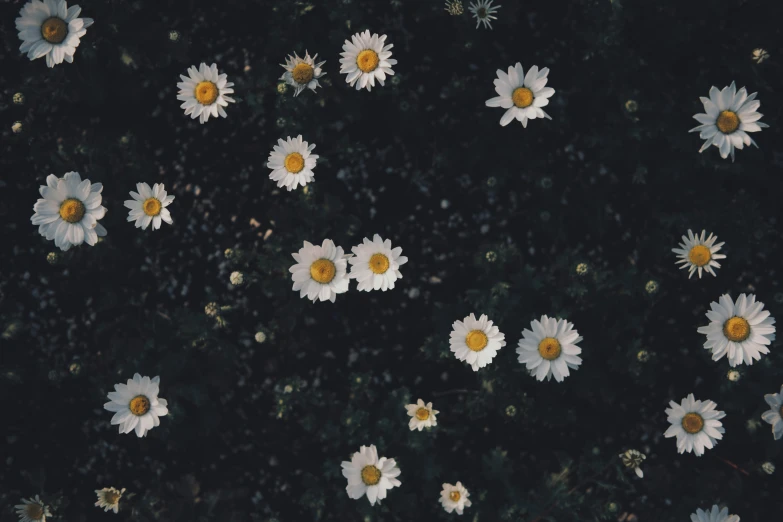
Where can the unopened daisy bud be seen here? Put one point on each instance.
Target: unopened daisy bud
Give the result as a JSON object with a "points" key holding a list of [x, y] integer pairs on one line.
{"points": [[237, 278], [174, 36], [282, 88], [280, 122], [733, 375], [491, 256], [651, 287], [288, 388], [511, 410], [546, 182], [32, 510], [211, 309], [17, 127], [52, 258], [768, 468], [612, 507], [18, 98], [582, 269], [260, 337], [759, 55], [75, 368], [492, 181], [632, 459], [228, 253], [109, 498], [631, 106], [643, 356], [454, 8]]}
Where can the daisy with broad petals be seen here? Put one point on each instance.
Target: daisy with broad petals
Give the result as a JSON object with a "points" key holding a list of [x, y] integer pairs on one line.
{"points": [[714, 515], [302, 73], [136, 405], [550, 349], [483, 12], [69, 211], [476, 341], [376, 265], [697, 253], [523, 95], [32, 510], [148, 206], [320, 271], [365, 59], [369, 475], [696, 425], [292, 163], [774, 415], [422, 415], [51, 29], [454, 497], [730, 116], [205, 92], [742, 330], [109, 499]]}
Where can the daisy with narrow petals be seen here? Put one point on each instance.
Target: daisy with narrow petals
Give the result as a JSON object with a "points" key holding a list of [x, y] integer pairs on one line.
{"points": [[302, 73], [696, 425], [32, 510], [699, 253], [292, 163], [109, 499], [69, 211], [422, 415], [376, 265], [742, 330], [369, 475], [484, 12], [774, 415], [148, 206], [365, 59], [522, 95], [549, 349], [454, 498], [137, 405], [204, 92], [51, 29], [730, 116], [476, 341], [714, 515], [320, 271]]}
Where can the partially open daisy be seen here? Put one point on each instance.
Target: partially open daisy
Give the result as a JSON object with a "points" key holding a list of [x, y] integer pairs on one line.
{"points": [[109, 498], [742, 330], [369, 475], [774, 415], [696, 425], [365, 59], [699, 253], [714, 515], [422, 415], [32, 510], [292, 163], [51, 29], [205, 92], [302, 73], [69, 211], [137, 405], [454, 497], [522, 95], [148, 206], [550, 348], [476, 341], [375, 264], [632, 459], [730, 116], [319, 272], [484, 12]]}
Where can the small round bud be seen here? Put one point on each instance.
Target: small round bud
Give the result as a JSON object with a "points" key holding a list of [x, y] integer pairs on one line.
{"points": [[612, 507], [546, 182], [174, 36], [651, 287], [643, 356], [18, 98], [282, 88], [511, 410], [733, 375], [491, 256], [288, 388], [281, 122], [228, 253], [211, 309], [260, 337], [52, 258], [631, 106], [75, 368], [768, 468], [17, 127], [396, 79], [582, 269], [492, 181], [237, 278]]}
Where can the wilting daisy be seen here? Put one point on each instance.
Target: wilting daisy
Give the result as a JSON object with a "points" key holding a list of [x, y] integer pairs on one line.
{"points": [[109, 498], [137, 405], [69, 211], [454, 497], [483, 12], [422, 415], [149, 206], [632, 459], [695, 424], [521, 94], [204, 92], [292, 163], [714, 515], [697, 253], [369, 475], [376, 265], [476, 341], [740, 330], [319, 272], [774, 415], [550, 348], [731, 114], [32, 510], [365, 59], [51, 29], [302, 73]]}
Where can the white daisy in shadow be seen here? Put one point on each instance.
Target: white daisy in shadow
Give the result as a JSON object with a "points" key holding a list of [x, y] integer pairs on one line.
{"points": [[204, 92], [137, 405], [369, 475], [696, 424], [422, 415], [302, 73], [714, 515], [376, 265], [522, 95], [292, 162], [366, 59], [699, 253], [320, 271], [51, 29], [476, 341], [148, 206], [454, 497], [774, 415], [549, 349]]}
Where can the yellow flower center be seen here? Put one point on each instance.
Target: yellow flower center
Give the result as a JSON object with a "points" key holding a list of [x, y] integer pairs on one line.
{"points": [[54, 30], [549, 348], [736, 329], [522, 97], [422, 414], [294, 163], [371, 475], [323, 271], [379, 264], [139, 405], [206, 93], [302, 73], [111, 497], [455, 496], [728, 122], [476, 340], [72, 210], [699, 255], [34, 511], [152, 207], [692, 423], [367, 60]]}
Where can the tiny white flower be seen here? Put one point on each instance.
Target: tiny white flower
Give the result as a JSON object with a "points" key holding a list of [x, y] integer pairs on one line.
{"points": [[136, 405], [714, 515], [422, 415], [484, 12], [52, 29], [204, 92], [366, 59], [696, 424], [522, 95], [302, 73], [369, 475], [292, 162], [697, 253], [109, 498], [376, 265], [774, 415], [454, 498], [320, 271], [148, 206], [476, 341], [549, 349]]}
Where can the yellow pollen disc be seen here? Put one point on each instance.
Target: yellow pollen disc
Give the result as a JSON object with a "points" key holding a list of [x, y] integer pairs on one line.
{"points": [[371, 475], [422, 414], [34, 511], [72, 210], [302, 73], [476, 340], [522, 97], [206, 93], [455, 496], [692, 423], [294, 163], [151, 207], [139, 405], [728, 122], [323, 271], [379, 264], [699, 255], [54, 30], [736, 329], [549, 348], [367, 60], [111, 497]]}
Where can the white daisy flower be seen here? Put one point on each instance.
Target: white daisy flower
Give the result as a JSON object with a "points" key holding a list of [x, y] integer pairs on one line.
{"points": [[550, 349], [376, 265], [148, 206], [774, 415], [697, 253], [109, 499], [476, 341], [51, 29], [714, 515], [741, 330], [454, 497], [320, 271], [302, 73], [695, 424], [369, 475], [483, 11], [69, 211], [422, 415], [137, 405], [365, 59], [32, 510], [292, 163], [730, 116], [521, 94], [204, 92]]}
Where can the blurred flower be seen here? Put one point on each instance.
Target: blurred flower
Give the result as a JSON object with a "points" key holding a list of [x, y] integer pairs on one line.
{"points": [[454, 8], [16, 128], [204, 92], [32, 510], [476, 341], [19, 98], [715, 515], [236, 278], [260, 337], [491, 256], [492, 181], [302, 73], [612, 507], [51, 29], [292, 163], [632, 459], [369, 475], [651, 286], [174, 36], [319, 272], [643, 356], [282, 88], [136, 405], [422, 415], [454, 497], [774, 415], [109, 498], [768, 468], [228, 253], [695, 424], [697, 253], [631, 106], [52, 258], [288, 388], [483, 11], [211, 309], [582, 269], [75, 368], [376, 265], [550, 348], [149, 206], [522, 95], [759, 55], [365, 59]]}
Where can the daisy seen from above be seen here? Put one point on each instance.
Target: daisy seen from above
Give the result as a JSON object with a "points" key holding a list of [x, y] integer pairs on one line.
{"points": [[302, 73], [204, 92], [366, 59], [109, 499], [320, 271], [716, 514], [292, 162], [476, 341], [369, 475], [454, 497], [699, 253], [484, 12], [774, 415], [696, 424], [422, 415], [32, 510], [549, 348], [376, 265], [51, 29], [148, 206], [137, 405], [522, 95]]}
